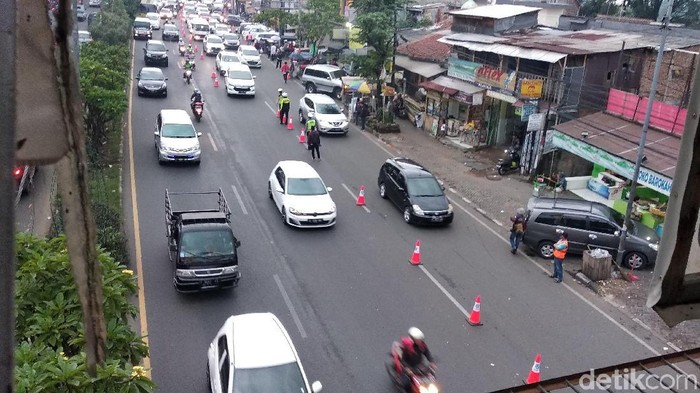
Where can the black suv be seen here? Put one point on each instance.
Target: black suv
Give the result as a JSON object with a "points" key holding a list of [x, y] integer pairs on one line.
{"points": [[155, 52], [415, 191]]}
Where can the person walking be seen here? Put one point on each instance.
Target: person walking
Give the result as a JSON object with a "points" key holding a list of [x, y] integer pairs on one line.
{"points": [[280, 54], [285, 71], [560, 249], [284, 108], [362, 114], [314, 142], [273, 51], [517, 230]]}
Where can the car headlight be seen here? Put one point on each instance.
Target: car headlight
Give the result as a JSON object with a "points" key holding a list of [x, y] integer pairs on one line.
{"points": [[449, 208], [654, 246], [229, 270], [293, 210], [333, 209], [417, 210], [184, 273]]}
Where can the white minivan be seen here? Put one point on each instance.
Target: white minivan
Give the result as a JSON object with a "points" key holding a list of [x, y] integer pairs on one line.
{"points": [[176, 139], [199, 28]]}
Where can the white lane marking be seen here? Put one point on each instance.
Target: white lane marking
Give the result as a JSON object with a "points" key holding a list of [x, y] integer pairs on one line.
{"points": [[240, 200], [297, 321], [642, 324], [441, 288], [269, 106], [211, 139], [565, 285], [353, 195], [379, 145]]}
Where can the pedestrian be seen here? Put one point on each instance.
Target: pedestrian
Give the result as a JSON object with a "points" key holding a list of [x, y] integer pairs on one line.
{"points": [[362, 114], [560, 249], [284, 108], [314, 142], [517, 230], [273, 51], [280, 54], [285, 71]]}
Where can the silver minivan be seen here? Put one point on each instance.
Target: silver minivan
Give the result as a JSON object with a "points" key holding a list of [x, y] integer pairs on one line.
{"points": [[176, 139], [323, 78]]}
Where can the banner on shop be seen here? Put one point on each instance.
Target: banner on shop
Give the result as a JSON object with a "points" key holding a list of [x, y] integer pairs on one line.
{"points": [[647, 177], [495, 77], [531, 88], [462, 69]]}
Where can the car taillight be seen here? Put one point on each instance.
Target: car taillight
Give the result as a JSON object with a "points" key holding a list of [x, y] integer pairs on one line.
{"points": [[18, 172]]}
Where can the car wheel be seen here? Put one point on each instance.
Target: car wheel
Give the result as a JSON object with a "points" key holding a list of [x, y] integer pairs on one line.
{"points": [[166, 64], [269, 190], [310, 88], [634, 260], [138, 93], [301, 117], [546, 249], [382, 190], [407, 215], [338, 93]]}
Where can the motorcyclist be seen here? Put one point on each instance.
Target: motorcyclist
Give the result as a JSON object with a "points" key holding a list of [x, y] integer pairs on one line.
{"points": [[190, 49], [189, 65], [195, 97], [414, 352]]}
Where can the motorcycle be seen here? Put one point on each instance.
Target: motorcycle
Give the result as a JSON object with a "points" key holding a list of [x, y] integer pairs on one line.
{"points": [[182, 48], [198, 110], [512, 163], [187, 77], [400, 112], [189, 58], [422, 380]]}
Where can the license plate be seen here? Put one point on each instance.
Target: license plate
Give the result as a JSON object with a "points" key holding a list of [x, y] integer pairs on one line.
{"points": [[437, 219], [315, 221], [208, 283]]}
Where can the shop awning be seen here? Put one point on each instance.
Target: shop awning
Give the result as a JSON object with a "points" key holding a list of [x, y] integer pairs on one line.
{"points": [[430, 85], [422, 68], [501, 96], [613, 142], [451, 86]]}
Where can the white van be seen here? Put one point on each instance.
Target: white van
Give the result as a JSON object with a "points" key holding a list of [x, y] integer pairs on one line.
{"points": [[239, 80], [199, 28], [176, 139]]}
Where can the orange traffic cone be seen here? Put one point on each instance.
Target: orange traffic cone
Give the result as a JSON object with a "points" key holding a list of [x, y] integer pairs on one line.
{"points": [[216, 82], [201, 56], [534, 375], [190, 38], [302, 137], [361, 197], [213, 74], [290, 124], [278, 114], [475, 317], [415, 258], [196, 49]]}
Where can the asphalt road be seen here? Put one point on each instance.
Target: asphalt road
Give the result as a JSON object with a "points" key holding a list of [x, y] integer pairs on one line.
{"points": [[350, 289]]}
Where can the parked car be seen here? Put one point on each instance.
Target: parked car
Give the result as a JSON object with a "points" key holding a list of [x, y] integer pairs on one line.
{"points": [[81, 15], [95, 3], [589, 224], [154, 18], [142, 28], [176, 139], [226, 59], [151, 82], [250, 55], [254, 353], [170, 33], [90, 17], [221, 29], [330, 118], [323, 78], [239, 80], [155, 52], [415, 191], [301, 196], [84, 37], [231, 41], [213, 44]]}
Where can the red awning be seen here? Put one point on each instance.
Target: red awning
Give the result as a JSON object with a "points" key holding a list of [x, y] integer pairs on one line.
{"points": [[430, 85]]}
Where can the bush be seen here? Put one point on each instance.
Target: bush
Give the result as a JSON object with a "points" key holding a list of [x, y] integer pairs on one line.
{"points": [[49, 324]]}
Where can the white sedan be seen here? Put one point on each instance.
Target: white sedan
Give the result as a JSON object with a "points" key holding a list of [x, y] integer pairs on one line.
{"points": [[226, 59], [154, 17], [301, 196]]}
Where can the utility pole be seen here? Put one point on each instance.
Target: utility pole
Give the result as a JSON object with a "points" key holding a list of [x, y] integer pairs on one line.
{"points": [[393, 53], [665, 21], [8, 103]]}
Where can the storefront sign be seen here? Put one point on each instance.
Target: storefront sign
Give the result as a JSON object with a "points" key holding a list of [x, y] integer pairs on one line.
{"points": [[463, 97], [647, 177], [527, 110], [535, 121], [496, 78], [531, 88], [477, 99], [462, 69]]}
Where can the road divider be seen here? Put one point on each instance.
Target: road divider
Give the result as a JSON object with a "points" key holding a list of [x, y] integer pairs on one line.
{"points": [[290, 306]]}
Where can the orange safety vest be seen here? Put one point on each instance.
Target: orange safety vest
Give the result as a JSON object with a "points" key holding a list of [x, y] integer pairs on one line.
{"points": [[560, 254]]}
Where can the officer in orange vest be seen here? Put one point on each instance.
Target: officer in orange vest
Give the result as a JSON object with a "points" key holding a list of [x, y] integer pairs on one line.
{"points": [[560, 249]]}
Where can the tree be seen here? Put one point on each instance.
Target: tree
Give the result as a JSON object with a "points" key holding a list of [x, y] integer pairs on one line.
{"points": [[49, 355], [276, 18], [318, 20], [113, 26], [684, 11], [602, 7]]}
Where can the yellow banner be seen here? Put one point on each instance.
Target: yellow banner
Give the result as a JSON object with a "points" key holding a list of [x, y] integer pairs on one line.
{"points": [[531, 88]]}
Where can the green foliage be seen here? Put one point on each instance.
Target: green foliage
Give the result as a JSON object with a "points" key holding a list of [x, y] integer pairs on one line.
{"points": [[603, 7], [49, 324], [276, 18], [318, 19], [114, 24], [684, 11]]}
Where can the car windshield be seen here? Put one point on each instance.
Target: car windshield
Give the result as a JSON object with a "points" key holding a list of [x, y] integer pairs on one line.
{"points": [[169, 28], [178, 131], [244, 75], [151, 75], [198, 27], [310, 186], [214, 40], [230, 59], [337, 74], [284, 378], [423, 187], [153, 17], [156, 47], [142, 24], [250, 52], [328, 109], [206, 243], [230, 37]]}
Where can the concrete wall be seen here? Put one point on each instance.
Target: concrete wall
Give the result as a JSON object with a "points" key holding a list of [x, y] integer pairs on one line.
{"points": [[550, 16]]}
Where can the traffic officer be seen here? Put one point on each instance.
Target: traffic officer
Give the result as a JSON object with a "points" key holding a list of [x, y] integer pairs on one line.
{"points": [[279, 99], [284, 104], [310, 122]]}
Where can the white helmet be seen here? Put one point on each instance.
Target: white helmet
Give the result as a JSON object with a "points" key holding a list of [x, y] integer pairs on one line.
{"points": [[284, 94], [416, 334], [279, 90]]}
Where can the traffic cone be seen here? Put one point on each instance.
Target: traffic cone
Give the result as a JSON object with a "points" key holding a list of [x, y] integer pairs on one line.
{"points": [[216, 82], [201, 55], [361, 197], [196, 49], [290, 124], [302, 137], [190, 38], [534, 375], [475, 317], [415, 258], [213, 74], [278, 114]]}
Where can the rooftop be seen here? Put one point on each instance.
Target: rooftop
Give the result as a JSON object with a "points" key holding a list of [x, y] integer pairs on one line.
{"points": [[427, 48], [496, 11]]}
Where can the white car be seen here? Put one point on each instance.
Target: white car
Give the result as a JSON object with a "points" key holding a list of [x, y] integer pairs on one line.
{"points": [[250, 56], [301, 196], [254, 353], [154, 17], [221, 28], [330, 118], [217, 16], [213, 44], [84, 37], [226, 59], [166, 13], [239, 80], [176, 139]]}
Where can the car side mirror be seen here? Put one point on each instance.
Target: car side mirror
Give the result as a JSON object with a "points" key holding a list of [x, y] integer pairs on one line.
{"points": [[237, 243], [254, 76], [199, 134], [138, 77], [166, 78], [316, 387], [329, 189]]}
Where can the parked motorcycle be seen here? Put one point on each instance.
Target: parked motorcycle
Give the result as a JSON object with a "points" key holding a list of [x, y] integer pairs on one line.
{"points": [[509, 164], [400, 112], [198, 110], [423, 379]]}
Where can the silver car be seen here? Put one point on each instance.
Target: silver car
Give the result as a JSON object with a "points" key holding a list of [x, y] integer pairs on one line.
{"points": [[176, 139], [323, 78], [330, 118]]}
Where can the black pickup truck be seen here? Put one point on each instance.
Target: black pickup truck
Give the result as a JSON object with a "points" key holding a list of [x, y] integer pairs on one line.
{"points": [[201, 243]]}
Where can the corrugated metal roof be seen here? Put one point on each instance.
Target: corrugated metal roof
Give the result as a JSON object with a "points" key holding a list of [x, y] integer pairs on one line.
{"points": [[458, 85], [422, 68], [508, 50], [481, 38], [496, 11]]}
